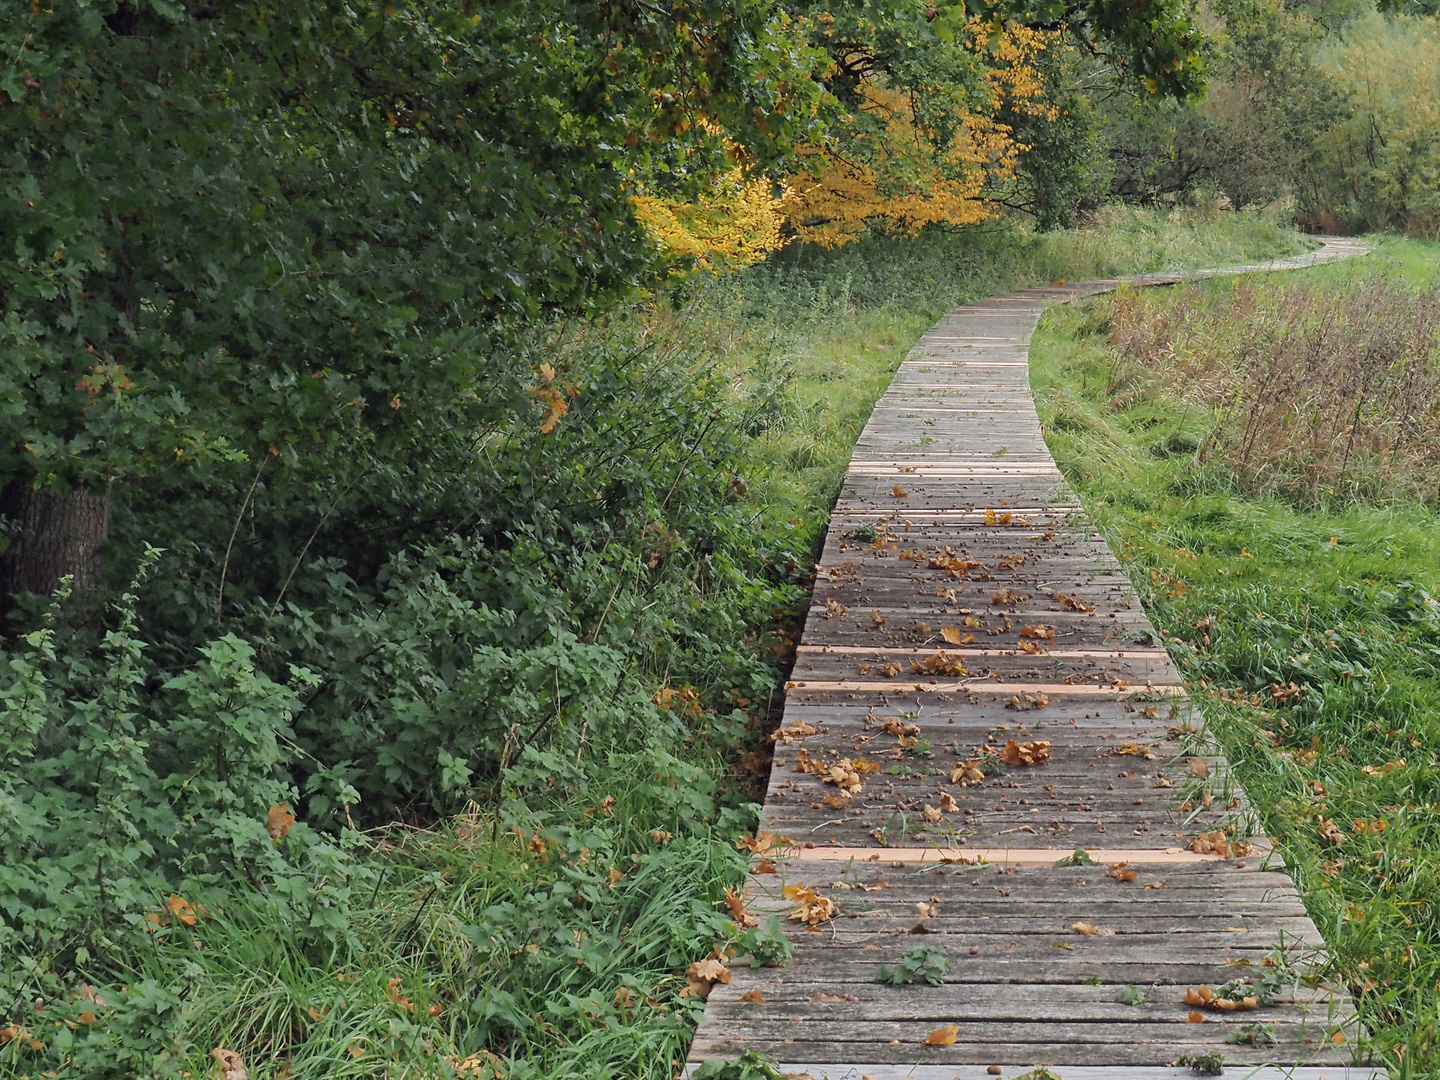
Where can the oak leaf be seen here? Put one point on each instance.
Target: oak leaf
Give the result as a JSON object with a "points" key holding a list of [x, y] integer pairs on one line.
{"points": [[702, 975], [1027, 753], [1122, 872], [753, 997], [945, 1036], [810, 907], [1038, 632]]}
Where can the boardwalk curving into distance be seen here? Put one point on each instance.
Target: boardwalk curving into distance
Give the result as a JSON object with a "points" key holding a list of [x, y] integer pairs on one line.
{"points": [[963, 602]]}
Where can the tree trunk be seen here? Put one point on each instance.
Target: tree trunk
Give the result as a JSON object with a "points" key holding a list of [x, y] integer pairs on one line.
{"points": [[52, 535]]}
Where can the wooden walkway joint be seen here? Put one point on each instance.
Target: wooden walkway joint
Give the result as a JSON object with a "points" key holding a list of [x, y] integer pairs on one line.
{"points": [[984, 752]]}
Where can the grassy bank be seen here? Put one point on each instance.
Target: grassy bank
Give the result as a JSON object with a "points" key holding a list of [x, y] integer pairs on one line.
{"points": [[551, 647], [1206, 428]]}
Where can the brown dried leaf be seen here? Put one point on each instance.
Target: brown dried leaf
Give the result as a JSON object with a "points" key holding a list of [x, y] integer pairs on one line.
{"points": [[702, 975], [966, 773], [810, 907], [931, 814], [1121, 872], [278, 822], [229, 1065], [1087, 930], [823, 997], [736, 903], [945, 1036], [764, 866], [952, 634], [1131, 749], [752, 997], [1039, 632], [1328, 830], [1029, 753], [798, 730], [1194, 1017], [1199, 767]]}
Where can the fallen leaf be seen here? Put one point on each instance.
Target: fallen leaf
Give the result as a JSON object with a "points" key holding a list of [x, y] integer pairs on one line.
{"points": [[1131, 749], [278, 822], [1026, 702], [1005, 598], [1071, 604], [948, 805], [660, 836], [835, 610], [762, 843], [607, 806], [1194, 1018], [753, 997], [931, 814], [1328, 830], [823, 997], [180, 908], [1087, 930], [927, 910], [1217, 843], [1199, 767], [798, 730], [1338, 1037], [945, 1036], [435, 1010], [810, 907], [702, 975], [1122, 872], [1029, 753], [736, 903], [966, 773], [229, 1065], [764, 866], [1038, 632], [392, 987], [899, 492], [952, 635]]}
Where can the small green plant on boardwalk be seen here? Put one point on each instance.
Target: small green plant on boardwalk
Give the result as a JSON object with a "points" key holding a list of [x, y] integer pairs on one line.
{"points": [[925, 963], [1297, 589]]}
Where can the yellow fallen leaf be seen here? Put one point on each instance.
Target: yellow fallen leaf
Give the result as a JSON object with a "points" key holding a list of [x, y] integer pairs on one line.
{"points": [[944, 1036], [753, 997]]}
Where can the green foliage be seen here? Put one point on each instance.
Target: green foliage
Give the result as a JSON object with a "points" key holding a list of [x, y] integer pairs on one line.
{"points": [[748, 1066], [925, 963], [766, 944], [1254, 1034], [1079, 857], [1203, 1064], [1131, 995]]}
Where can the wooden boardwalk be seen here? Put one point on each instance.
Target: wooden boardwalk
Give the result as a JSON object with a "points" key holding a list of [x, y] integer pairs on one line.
{"points": [[965, 611]]}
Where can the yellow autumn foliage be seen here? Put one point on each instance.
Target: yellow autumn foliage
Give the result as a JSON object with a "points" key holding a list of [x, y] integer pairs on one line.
{"points": [[904, 176], [891, 169], [735, 224]]}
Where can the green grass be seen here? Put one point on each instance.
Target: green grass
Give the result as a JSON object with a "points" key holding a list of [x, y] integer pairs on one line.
{"points": [[1259, 597]]}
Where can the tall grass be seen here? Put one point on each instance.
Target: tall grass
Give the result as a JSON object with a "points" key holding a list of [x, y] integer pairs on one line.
{"points": [[1323, 394]]}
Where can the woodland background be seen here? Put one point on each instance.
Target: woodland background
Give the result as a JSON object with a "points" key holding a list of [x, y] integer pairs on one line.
{"points": [[418, 424]]}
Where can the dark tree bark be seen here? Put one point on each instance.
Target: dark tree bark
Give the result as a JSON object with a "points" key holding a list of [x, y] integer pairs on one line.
{"points": [[52, 535]]}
